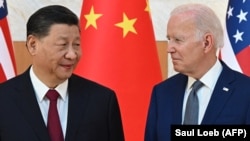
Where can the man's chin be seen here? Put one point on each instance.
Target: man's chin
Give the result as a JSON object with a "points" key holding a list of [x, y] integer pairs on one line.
{"points": [[65, 75]]}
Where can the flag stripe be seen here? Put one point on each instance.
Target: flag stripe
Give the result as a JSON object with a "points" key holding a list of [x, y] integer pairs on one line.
{"points": [[228, 56], [2, 77], [241, 57], [5, 58]]}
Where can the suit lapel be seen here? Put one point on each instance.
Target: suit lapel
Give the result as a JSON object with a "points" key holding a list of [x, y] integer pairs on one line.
{"points": [[178, 92], [27, 102], [78, 99], [220, 95]]}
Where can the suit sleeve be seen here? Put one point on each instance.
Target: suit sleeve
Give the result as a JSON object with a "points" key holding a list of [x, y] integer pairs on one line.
{"points": [[115, 121], [150, 131]]}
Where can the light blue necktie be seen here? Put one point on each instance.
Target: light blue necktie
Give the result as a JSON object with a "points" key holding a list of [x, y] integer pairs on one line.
{"points": [[192, 106]]}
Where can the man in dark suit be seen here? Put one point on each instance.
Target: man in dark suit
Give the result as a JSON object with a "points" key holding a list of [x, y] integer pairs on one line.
{"points": [[194, 35], [87, 110]]}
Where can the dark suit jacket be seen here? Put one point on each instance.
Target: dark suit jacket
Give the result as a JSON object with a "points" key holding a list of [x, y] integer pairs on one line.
{"points": [[93, 112], [225, 107]]}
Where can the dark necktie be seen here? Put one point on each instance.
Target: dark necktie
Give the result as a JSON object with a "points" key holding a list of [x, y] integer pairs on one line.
{"points": [[54, 125], [192, 106]]}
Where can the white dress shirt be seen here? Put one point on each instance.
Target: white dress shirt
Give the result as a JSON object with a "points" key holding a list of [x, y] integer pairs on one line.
{"points": [[209, 80], [62, 103]]}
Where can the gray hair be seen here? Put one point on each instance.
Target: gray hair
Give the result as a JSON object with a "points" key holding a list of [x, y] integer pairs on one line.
{"points": [[206, 21]]}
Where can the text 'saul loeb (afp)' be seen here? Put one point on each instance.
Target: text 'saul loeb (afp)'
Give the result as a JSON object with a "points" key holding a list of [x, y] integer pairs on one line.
{"points": [[239, 132]]}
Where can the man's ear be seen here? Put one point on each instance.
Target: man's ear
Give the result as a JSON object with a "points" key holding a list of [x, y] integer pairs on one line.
{"points": [[208, 42], [31, 44]]}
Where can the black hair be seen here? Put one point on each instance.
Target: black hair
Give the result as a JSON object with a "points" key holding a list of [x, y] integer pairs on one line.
{"points": [[40, 22]]}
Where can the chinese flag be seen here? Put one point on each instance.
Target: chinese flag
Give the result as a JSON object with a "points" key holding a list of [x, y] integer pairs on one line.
{"points": [[7, 63], [119, 51]]}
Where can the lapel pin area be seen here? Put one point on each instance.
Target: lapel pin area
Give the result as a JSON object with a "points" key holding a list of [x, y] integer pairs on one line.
{"points": [[225, 89]]}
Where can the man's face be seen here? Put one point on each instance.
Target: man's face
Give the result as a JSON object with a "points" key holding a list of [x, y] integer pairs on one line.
{"points": [[58, 53], [184, 46]]}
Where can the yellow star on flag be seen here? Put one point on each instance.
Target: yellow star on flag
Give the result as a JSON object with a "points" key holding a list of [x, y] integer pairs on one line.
{"points": [[147, 7], [127, 25], [91, 18]]}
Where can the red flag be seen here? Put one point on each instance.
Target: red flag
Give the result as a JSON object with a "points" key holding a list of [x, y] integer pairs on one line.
{"points": [[119, 51], [236, 52], [7, 63]]}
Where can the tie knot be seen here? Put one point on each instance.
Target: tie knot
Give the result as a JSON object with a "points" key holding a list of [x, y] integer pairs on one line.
{"points": [[197, 84], [52, 95]]}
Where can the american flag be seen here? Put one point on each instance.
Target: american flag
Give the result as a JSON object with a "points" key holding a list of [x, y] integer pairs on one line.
{"points": [[7, 62], [236, 52]]}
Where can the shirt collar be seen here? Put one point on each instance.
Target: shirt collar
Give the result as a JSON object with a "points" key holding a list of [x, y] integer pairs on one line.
{"points": [[41, 89], [209, 79]]}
